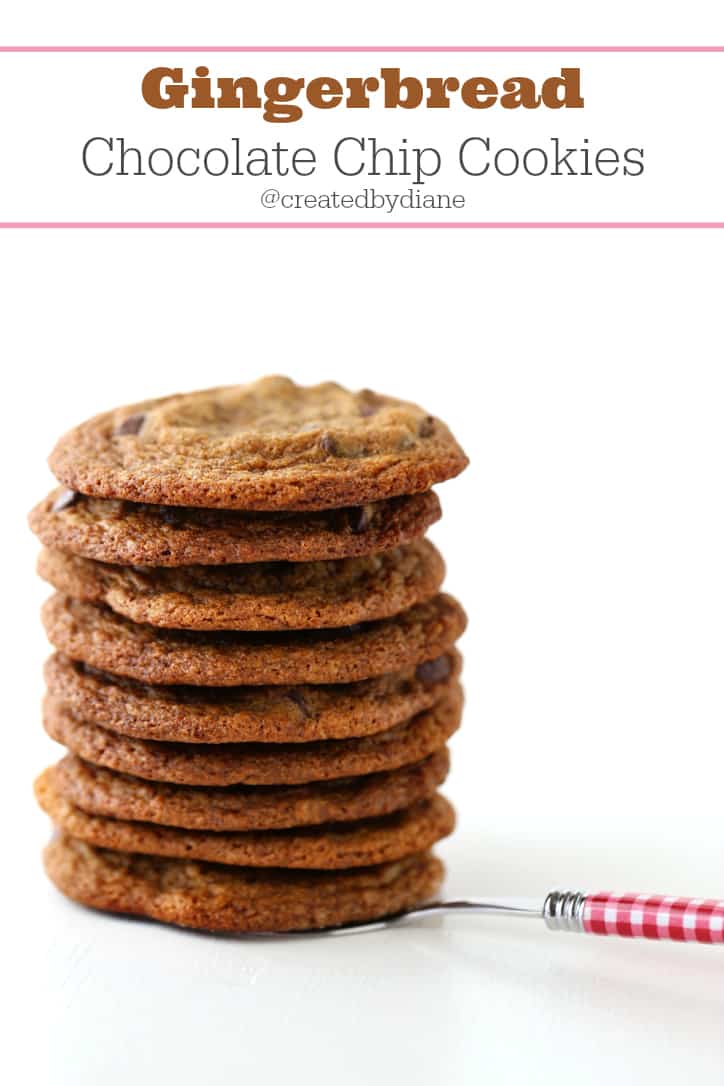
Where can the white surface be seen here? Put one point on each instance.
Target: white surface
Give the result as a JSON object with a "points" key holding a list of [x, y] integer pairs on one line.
{"points": [[583, 373]]}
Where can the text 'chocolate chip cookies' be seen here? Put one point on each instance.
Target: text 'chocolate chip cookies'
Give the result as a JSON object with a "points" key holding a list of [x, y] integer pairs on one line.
{"points": [[255, 670]]}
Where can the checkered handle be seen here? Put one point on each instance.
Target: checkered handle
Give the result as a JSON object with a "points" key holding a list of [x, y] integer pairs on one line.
{"points": [[685, 919]]}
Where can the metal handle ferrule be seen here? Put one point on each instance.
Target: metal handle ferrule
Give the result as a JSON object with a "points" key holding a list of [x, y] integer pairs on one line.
{"points": [[563, 910]]}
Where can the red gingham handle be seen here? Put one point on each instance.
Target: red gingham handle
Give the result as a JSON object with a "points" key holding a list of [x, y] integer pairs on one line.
{"points": [[685, 919]]}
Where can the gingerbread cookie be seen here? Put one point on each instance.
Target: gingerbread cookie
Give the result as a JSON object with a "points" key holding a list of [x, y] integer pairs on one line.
{"points": [[131, 533], [257, 763], [105, 640], [249, 714], [322, 848], [117, 795], [264, 446], [216, 898], [256, 596]]}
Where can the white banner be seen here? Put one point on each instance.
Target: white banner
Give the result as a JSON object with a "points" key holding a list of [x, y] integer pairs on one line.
{"points": [[430, 137]]}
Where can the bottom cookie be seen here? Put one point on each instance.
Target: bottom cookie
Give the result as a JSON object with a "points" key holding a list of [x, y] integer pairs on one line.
{"points": [[213, 897]]}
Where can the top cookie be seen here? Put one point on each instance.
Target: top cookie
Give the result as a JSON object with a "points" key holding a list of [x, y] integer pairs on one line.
{"points": [[264, 446]]}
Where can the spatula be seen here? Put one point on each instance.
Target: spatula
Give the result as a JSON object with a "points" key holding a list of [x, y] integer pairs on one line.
{"points": [[683, 919]]}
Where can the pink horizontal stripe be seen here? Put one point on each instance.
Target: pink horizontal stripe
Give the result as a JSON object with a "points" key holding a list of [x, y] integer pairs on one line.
{"points": [[296, 225], [362, 48]]}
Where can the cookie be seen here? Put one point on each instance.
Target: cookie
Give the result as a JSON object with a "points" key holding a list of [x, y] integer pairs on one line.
{"points": [[264, 446], [216, 898], [256, 763], [322, 848], [105, 640], [115, 795], [257, 714], [256, 596], [130, 533]]}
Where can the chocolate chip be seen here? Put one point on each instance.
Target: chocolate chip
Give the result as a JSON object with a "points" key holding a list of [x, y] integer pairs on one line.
{"points": [[172, 515], [328, 445], [359, 517], [432, 671], [93, 672], [65, 500], [131, 425], [298, 699], [369, 402], [426, 427]]}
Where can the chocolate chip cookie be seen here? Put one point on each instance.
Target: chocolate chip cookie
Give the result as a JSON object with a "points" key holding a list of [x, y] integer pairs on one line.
{"points": [[118, 795], [264, 446], [257, 763], [258, 714], [256, 674], [99, 637], [217, 898], [329, 847], [255, 596], [131, 533]]}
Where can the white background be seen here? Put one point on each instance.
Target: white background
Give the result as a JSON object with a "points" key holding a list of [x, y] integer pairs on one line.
{"points": [[583, 373]]}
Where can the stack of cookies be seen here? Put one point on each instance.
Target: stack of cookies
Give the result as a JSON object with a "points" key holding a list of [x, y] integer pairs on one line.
{"points": [[255, 672]]}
